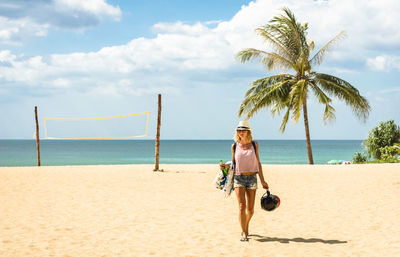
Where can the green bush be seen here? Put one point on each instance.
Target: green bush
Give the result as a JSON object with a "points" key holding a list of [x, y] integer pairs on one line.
{"points": [[389, 152], [386, 134], [359, 157]]}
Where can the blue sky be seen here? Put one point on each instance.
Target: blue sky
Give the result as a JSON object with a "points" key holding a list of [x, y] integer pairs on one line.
{"points": [[96, 58]]}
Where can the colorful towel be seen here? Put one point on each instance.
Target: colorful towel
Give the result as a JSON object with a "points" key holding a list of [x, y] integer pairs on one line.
{"points": [[228, 188], [223, 181]]}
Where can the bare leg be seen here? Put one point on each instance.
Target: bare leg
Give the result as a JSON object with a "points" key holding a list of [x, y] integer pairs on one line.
{"points": [[251, 195], [240, 195]]}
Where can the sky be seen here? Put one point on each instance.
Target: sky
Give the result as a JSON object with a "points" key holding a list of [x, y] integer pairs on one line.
{"points": [[100, 58]]}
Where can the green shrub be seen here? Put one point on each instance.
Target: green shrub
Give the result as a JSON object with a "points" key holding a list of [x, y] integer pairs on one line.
{"points": [[359, 157], [389, 152], [386, 134]]}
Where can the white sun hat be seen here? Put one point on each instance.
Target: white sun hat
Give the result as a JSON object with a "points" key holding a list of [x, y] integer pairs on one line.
{"points": [[243, 125]]}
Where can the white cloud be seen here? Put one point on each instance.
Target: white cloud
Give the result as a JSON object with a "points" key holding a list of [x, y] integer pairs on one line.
{"points": [[384, 63], [180, 28], [390, 90], [370, 26], [183, 54], [61, 83], [13, 32], [97, 7], [21, 19]]}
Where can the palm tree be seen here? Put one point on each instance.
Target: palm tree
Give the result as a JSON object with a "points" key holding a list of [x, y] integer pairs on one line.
{"points": [[289, 92]]}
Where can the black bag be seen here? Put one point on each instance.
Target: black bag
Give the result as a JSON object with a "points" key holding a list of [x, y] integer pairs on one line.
{"points": [[270, 202]]}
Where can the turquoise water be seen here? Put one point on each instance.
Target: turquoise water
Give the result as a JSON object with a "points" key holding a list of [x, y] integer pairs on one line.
{"points": [[64, 152]]}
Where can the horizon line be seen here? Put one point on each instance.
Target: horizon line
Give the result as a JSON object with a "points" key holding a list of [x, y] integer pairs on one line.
{"points": [[144, 139]]}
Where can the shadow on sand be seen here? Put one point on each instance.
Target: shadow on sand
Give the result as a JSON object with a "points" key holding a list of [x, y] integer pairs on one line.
{"points": [[297, 240]]}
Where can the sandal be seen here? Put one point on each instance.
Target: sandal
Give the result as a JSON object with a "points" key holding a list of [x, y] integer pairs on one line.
{"points": [[244, 238]]}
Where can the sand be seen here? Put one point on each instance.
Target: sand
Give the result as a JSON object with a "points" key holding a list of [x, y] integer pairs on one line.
{"points": [[129, 210]]}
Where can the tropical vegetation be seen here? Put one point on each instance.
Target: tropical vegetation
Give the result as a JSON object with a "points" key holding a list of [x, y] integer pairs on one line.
{"points": [[383, 142], [289, 92], [359, 157]]}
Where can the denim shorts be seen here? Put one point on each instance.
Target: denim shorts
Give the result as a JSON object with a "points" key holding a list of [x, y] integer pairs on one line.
{"points": [[247, 181]]}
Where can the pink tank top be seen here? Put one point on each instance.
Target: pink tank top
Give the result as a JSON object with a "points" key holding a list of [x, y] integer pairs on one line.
{"points": [[246, 160]]}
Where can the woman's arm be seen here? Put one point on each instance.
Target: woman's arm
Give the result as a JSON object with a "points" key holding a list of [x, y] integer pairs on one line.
{"points": [[233, 154], [221, 166], [260, 171]]}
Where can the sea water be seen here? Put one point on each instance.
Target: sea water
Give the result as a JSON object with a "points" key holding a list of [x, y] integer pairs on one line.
{"points": [[94, 152]]}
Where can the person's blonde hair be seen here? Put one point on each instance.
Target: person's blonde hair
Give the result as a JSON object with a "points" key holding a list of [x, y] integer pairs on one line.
{"points": [[238, 139]]}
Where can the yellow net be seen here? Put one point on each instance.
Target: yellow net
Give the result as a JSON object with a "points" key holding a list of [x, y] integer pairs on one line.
{"points": [[101, 118]]}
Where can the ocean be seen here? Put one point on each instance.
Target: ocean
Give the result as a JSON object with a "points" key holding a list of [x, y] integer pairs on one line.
{"points": [[107, 152]]}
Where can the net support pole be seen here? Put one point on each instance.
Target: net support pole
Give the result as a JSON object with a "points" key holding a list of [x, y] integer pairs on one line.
{"points": [[156, 168], [37, 137]]}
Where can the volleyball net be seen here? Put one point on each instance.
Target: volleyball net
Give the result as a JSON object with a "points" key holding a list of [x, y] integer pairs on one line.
{"points": [[115, 127]]}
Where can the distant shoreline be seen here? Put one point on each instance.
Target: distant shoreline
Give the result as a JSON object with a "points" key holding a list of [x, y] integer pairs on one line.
{"points": [[184, 165], [151, 139]]}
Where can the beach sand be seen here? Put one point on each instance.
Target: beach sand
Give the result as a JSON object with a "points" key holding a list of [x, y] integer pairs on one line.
{"points": [[129, 210]]}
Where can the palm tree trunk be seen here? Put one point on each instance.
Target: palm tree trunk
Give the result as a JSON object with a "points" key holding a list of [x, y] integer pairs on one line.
{"points": [[308, 140]]}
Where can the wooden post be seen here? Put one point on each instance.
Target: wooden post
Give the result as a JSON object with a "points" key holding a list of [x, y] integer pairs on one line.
{"points": [[37, 138], [156, 168]]}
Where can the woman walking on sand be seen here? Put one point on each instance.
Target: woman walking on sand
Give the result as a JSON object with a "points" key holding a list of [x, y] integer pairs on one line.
{"points": [[246, 160]]}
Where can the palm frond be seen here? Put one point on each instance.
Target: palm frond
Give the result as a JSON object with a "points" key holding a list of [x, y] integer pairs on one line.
{"points": [[275, 61], [344, 91], [265, 97], [274, 42], [329, 113], [319, 56], [248, 54], [290, 34], [285, 119], [297, 95], [265, 92], [284, 101], [311, 45], [270, 60], [297, 33]]}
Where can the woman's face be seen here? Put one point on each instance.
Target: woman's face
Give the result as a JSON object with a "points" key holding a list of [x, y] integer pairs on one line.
{"points": [[242, 133]]}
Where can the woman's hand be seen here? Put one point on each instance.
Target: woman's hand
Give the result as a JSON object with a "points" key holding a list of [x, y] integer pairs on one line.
{"points": [[222, 166], [264, 184]]}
